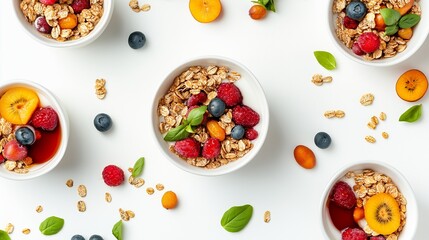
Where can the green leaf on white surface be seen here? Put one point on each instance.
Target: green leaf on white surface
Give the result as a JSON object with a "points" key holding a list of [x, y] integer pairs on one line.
{"points": [[412, 114], [326, 59]]}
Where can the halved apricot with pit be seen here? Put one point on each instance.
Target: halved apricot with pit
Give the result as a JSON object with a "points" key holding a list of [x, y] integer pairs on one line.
{"points": [[412, 85], [205, 11]]}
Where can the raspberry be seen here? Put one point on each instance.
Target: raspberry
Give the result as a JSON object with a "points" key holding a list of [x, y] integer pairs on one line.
{"points": [[230, 94], [79, 5], [251, 134], [45, 118], [211, 148], [343, 195], [113, 175], [187, 148], [368, 42], [245, 116], [196, 99], [356, 49], [377, 238], [353, 234], [350, 23], [48, 2]]}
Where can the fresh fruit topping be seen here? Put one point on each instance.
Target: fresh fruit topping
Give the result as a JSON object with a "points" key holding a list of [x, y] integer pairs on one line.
{"points": [[350, 23], [77, 237], [45, 118], [42, 25], [2, 159], [136, 40], [377, 238], [38, 134], [380, 25], [237, 132], [187, 148], [358, 214], [382, 213], [368, 42], [356, 49], [18, 104], [304, 157], [251, 134], [403, 10], [113, 175], [79, 5], [245, 116], [356, 10], [353, 234], [48, 2], [96, 237], [230, 94], [211, 148], [322, 140], [216, 107], [411, 85], [169, 200], [257, 12], [102, 122], [25, 135], [343, 195], [196, 99], [215, 130], [68, 22], [205, 116], [405, 33], [14, 151], [205, 11]]}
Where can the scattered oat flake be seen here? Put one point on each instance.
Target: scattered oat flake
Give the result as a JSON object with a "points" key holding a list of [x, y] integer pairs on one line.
{"points": [[370, 139], [69, 183], [267, 216], [150, 190], [108, 197], [124, 215], [367, 99], [145, 7], [9, 228], [26, 231], [81, 206], [82, 190], [130, 170], [130, 213], [383, 116], [159, 187], [39, 209], [385, 135], [100, 89]]}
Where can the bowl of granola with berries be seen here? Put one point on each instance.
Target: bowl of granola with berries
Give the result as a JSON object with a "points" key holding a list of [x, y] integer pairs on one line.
{"points": [[64, 23], [210, 116], [378, 32], [34, 130], [369, 201]]}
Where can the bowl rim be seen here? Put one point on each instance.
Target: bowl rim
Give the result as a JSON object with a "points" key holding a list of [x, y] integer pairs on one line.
{"points": [[223, 169], [65, 129]]}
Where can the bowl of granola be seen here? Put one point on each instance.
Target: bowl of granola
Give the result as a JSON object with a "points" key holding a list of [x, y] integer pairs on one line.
{"points": [[368, 200], [378, 32], [210, 116], [34, 130], [64, 23]]}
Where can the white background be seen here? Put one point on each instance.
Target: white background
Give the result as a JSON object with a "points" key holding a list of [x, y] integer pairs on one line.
{"points": [[279, 51]]}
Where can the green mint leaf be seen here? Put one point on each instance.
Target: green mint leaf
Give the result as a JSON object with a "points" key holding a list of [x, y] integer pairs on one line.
{"points": [[117, 230], [138, 167], [189, 129], [51, 225], [391, 30], [177, 133], [236, 218], [195, 116], [390, 16], [326, 59], [409, 20], [4, 235], [412, 114]]}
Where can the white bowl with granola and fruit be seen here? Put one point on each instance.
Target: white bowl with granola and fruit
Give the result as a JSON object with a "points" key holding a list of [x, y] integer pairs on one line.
{"points": [[368, 200], [210, 116], [378, 32], [64, 23], [34, 130]]}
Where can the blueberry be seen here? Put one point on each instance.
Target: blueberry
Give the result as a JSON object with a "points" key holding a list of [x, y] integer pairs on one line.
{"points": [[237, 132], [102, 122], [136, 40], [77, 237], [95, 237], [356, 10], [216, 107], [322, 140], [25, 135]]}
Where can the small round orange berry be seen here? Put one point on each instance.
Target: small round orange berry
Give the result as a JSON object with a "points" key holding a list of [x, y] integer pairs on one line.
{"points": [[169, 200], [68, 22]]}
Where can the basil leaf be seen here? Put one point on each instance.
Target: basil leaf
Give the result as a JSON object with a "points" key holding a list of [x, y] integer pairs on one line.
{"points": [[51, 225], [270, 6], [412, 114], [409, 20], [117, 230], [4, 235], [264, 2], [138, 167], [236, 218], [189, 129], [177, 133], [391, 30], [196, 115], [390, 16], [326, 59]]}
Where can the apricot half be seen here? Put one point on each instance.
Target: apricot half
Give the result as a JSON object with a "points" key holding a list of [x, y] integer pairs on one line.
{"points": [[412, 85], [403, 10], [205, 11]]}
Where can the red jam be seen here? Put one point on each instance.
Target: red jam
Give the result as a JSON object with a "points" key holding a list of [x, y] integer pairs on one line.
{"points": [[45, 147], [342, 218]]}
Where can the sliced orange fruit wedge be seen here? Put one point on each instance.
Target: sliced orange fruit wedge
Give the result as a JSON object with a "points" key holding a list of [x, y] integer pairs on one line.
{"points": [[205, 11], [18, 104]]}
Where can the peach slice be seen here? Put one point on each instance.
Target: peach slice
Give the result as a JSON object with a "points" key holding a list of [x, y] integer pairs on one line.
{"points": [[412, 85], [18, 104], [403, 10], [205, 11]]}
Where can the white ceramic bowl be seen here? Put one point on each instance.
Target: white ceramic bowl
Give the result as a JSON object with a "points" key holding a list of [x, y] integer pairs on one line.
{"points": [[46, 99], [329, 230], [39, 37], [420, 33], [253, 96]]}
